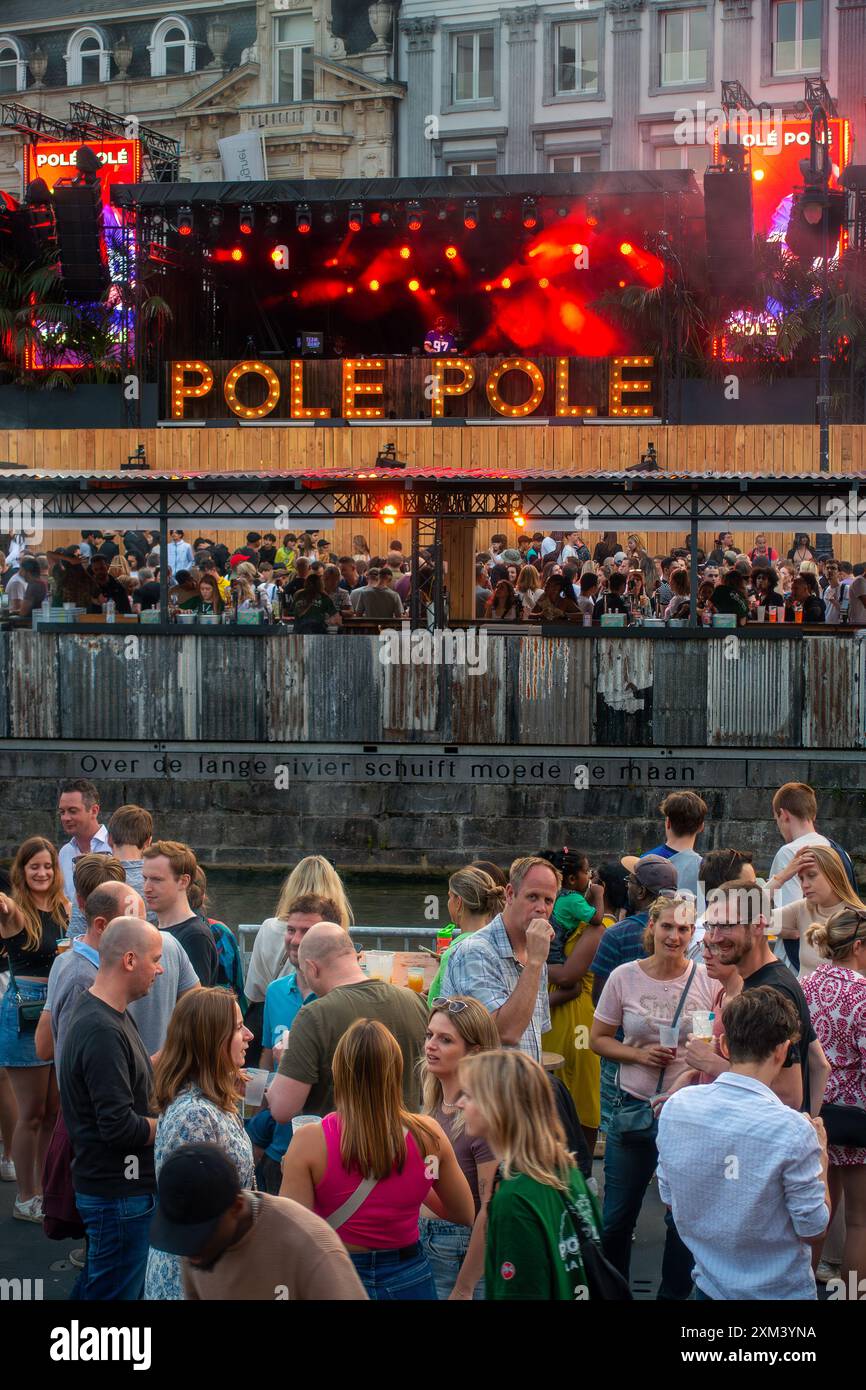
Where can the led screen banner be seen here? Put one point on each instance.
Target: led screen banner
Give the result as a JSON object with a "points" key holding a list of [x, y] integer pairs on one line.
{"points": [[776, 148], [120, 162]]}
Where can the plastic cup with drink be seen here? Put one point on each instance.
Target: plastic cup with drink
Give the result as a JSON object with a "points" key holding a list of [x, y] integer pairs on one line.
{"points": [[669, 1037], [415, 979], [702, 1024]]}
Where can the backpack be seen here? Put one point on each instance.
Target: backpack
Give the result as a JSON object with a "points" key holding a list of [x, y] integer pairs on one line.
{"points": [[846, 863], [230, 973]]}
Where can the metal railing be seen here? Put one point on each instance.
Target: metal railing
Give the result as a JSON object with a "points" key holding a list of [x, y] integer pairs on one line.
{"points": [[372, 938]]}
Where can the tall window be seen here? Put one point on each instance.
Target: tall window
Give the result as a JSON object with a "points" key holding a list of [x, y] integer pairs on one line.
{"points": [[88, 59], [796, 36], [695, 157], [472, 66], [13, 71], [684, 41], [473, 167], [575, 53], [293, 44], [172, 50], [575, 163]]}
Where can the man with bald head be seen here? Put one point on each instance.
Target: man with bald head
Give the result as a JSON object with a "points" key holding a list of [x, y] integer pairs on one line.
{"points": [[105, 1078], [304, 1083]]}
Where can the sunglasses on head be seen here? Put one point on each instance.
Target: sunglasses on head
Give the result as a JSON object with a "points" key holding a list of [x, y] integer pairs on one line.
{"points": [[453, 1006]]}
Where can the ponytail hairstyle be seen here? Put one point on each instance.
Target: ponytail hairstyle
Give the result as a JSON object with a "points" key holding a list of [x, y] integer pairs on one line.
{"points": [[835, 939], [478, 892]]}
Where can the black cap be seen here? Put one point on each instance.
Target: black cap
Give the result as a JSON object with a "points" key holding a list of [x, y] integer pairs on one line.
{"points": [[197, 1185]]}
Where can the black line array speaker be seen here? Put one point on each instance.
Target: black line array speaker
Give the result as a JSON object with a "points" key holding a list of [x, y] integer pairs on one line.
{"points": [[83, 263], [730, 233]]}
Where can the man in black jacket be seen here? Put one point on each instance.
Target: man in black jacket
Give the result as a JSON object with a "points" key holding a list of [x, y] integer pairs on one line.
{"points": [[105, 1079]]}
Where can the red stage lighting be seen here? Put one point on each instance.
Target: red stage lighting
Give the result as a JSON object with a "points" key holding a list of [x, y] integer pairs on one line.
{"points": [[246, 219], [757, 175], [488, 288], [303, 218], [543, 283], [237, 254], [622, 284], [405, 252], [577, 248], [592, 220], [506, 282], [470, 214], [350, 289], [414, 285], [626, 248], [451, 252], [374, 285], [185, 221], [415, 219], [356, 217], [530, 215]]}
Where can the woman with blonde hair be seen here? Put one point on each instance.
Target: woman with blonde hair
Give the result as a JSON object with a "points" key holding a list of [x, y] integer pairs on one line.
{"points": [[824, 887], [34, 918], [642, 998], [197, 1088], [836, 995], [474, 899], [529, 588], [541, 1204], [371, 1164], [459, 1027], [119, 568]]}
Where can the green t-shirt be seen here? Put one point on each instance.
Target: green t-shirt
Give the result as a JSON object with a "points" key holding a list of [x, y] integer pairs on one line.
{"points": [[320, 1025], [532, 1247], [436, 988]]}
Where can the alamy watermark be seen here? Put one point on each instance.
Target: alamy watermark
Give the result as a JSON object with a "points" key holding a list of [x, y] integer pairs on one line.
{"points": [[755, 127], [22, 516], [441, 647], [846, 516]]}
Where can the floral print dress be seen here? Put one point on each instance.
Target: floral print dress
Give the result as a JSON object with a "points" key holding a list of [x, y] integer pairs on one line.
{"points": [[836, 996], [193, 1119]]}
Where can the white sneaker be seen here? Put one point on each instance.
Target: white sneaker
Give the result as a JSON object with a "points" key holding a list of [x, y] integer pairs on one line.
{"points": [[7, 1170], [827, 1271], [28, 1211]]}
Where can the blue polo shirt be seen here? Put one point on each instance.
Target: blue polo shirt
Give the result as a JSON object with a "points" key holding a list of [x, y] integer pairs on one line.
{"points": [[621, 944], [283, 1003]]}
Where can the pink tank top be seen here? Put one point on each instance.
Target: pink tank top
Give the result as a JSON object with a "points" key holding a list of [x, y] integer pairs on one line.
{"points": [[388, 1218]]}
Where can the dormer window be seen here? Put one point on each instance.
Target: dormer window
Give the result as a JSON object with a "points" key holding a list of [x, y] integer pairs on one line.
{"points": [[13, 68], [88, 58], [172, 48]]}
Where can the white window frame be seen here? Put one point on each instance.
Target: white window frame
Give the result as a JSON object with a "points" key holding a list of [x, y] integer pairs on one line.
{"points": [[683, 151], [473, 164], [158, 49], [19, 62], [686, 11], [576, 160], [580, 26], [297, 49], [476, 97], [73, 55], [799, 67]]}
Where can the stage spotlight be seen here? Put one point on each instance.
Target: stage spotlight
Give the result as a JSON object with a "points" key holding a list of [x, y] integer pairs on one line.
{"points": [[577, 248], [562, 212], [328, 216], [280, 257], [247, 219], [451, 252], [415, 217], [530, 214], [185, 223], [387, 458], [303, 219], [498, 214], [626, 248], [441, 214], [470, 214], [544, 283], [273, 217], [622, 284], [356, 217], [758, 175], [374, 285], [384, 215], [414, 286], [506, 282], [488, 288], [216, 217], [237, 253], [405, 252], [593, 213]]}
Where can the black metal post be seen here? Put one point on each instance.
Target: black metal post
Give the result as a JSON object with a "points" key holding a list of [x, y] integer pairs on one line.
{"points": [[824, 348], [693, 566], [439, 581], [415, 564], [163, 556]]}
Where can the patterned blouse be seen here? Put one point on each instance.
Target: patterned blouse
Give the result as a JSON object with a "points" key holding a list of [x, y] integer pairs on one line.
{"points": [[836, 997], [193, 1119]]}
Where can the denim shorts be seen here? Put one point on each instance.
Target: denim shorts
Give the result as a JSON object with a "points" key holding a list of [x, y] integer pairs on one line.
{"points": [[19, 1049], [388, 1277], [445, 1246]]}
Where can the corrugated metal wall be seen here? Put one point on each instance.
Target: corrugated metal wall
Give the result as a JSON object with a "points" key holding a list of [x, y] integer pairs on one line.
{"points": [[730, 692]]}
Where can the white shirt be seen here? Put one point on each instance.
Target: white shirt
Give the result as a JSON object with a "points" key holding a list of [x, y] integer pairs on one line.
{"points": [[268, 946], [70, 852], [741, 1173]]}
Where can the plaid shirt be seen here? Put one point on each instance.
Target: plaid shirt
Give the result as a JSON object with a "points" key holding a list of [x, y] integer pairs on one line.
{"points": [[484, 966]]}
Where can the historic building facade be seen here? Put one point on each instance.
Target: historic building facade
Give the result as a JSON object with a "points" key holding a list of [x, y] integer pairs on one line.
{"points": [[581, 85], [315, 77]]}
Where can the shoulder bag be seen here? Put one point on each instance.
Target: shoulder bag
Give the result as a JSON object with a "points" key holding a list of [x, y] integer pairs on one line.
{"points": [[603, 1279], [638, 1124], [344, 1213], [845, 1125]]}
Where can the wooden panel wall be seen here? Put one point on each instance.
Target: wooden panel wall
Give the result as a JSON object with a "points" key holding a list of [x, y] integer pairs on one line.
{"points": [[686, 448]]}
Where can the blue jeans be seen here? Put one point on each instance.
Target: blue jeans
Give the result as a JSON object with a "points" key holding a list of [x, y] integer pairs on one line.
{"points": [[445, 1246], [118, 1239], [628, 1169], [388, 1278]]}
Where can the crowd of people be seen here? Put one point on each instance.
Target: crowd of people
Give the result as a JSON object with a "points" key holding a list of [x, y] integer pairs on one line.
{"points": [[551, 578], [556, 579], [669, 1014]]}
